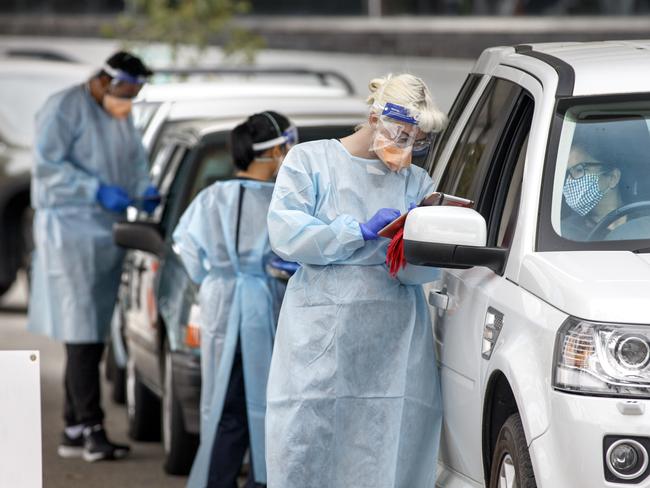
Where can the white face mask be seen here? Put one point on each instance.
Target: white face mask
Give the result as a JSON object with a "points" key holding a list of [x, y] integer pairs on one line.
{"points": [[277, 160], [120, 108]]}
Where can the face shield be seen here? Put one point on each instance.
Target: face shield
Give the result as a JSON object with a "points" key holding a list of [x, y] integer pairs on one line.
{"points": [[395, 136], [123, 88], [290, 136], [287, 138]]}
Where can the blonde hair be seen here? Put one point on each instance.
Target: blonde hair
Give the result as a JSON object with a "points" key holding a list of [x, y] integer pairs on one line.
{"points": [[411, 92]]}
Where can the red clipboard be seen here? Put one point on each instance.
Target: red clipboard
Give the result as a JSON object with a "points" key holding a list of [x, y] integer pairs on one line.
{"points": [[436, 198]]}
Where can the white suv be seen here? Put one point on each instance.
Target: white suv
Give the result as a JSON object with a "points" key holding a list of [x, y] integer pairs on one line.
{"points": [[542, 311]]}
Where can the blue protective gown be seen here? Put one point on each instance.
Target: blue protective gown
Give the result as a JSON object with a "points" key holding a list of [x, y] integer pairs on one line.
{"points": [[238, 301], [77, 266], [353, 397]]}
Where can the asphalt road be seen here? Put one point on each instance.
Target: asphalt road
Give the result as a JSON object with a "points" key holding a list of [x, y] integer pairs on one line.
{"points": [[142, 469]]}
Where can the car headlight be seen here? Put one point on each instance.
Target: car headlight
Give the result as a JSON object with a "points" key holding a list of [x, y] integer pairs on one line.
{"points": [[600, 358]]}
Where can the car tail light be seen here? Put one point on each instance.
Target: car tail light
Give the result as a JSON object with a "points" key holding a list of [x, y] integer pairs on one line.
{"points": [[192, 336]]}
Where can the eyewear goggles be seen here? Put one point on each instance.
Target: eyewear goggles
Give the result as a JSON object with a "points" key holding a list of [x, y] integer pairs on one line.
{"points": [[577, 171]]}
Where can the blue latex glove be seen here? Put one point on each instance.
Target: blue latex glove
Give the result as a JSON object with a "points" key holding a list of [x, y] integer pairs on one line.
{"points": [[113, 198], [151, 199], [288, 266], [381, 219]]}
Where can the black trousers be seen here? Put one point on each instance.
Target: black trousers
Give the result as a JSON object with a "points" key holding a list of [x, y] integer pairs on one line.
{"points": [[82, 395], [232, 437]]}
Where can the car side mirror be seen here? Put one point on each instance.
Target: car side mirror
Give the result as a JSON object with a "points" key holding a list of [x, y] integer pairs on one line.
{"points": [[450, 237], [142, 236]]}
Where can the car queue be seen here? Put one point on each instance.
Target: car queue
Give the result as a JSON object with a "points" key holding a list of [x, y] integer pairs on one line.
{"points": [[535, 294]]}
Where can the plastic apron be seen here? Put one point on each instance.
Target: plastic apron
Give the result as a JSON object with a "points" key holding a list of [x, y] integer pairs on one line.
{"points": [[77, 266], [223, 243], [353, 396]]}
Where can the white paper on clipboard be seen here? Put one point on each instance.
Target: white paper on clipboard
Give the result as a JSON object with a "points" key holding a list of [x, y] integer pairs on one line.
{"points": [[20, 420]]}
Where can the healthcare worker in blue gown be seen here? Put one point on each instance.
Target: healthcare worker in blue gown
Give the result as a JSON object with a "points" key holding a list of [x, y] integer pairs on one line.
{"points": [[353, 394], [89, 166], [223, 242]]}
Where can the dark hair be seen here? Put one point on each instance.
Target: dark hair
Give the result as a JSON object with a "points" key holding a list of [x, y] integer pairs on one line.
{"points": [[261, 127], [128, 63]]}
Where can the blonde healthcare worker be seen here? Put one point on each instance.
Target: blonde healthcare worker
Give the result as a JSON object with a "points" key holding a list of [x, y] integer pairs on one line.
{"points": [[353, 396], [223, 242]]}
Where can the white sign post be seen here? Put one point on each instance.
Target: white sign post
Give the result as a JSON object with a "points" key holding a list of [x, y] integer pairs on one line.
{"points": [[20, 420]]}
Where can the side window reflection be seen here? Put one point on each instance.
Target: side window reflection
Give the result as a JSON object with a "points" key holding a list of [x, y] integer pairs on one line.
{"points": [[467, 166]]}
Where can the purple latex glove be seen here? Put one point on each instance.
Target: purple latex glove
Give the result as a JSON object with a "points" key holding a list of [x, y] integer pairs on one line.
{"points": [[381, 219]]}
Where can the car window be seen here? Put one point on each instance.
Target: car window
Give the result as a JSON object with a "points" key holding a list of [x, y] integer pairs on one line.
{"points": [[143, 113], [199, 168], [160, 164], [170, 167], [214, 164], [457, 109], [328, 132], [601, 189], [470, 159], [508, 219], [499, 200]]}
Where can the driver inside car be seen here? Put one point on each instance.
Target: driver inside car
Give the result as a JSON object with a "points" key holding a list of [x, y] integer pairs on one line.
{"points": [[593, 190]]}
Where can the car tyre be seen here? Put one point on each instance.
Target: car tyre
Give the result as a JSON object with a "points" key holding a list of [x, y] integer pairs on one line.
{"points": [[179, 445], [4, 288], [118, 387], [142, 407], [115, 375], [511, 465]]}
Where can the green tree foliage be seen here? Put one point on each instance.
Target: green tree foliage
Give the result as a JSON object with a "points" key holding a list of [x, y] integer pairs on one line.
{"points": [[196, 23]]}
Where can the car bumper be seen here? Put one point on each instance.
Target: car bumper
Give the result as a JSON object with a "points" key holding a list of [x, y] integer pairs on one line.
{"points": [[571, 453], [187, 384]]}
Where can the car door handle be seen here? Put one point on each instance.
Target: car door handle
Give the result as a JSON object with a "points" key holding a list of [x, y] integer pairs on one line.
{"points": [[438, 299]]}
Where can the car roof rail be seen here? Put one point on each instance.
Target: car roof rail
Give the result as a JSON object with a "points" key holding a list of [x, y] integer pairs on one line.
{"points": [[323, 76], [37, 53]]}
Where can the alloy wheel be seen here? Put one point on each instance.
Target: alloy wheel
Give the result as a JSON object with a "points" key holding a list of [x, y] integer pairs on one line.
{"points": [[507, 473]]}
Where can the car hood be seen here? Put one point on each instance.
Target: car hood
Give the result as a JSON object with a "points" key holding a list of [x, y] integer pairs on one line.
{"points": [[607, 286]]}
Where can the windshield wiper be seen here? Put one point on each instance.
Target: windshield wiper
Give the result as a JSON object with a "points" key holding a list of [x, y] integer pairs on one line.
{"points": [[643, 250]]}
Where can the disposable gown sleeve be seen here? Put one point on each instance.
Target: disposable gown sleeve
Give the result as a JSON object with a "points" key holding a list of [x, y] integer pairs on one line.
{"points": [[295, 233], [412, 274], [65, 181], [188, 240]]}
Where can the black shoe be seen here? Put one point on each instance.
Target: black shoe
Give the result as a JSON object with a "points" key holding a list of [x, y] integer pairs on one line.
{"points": [[71, 447], [98, 447]]}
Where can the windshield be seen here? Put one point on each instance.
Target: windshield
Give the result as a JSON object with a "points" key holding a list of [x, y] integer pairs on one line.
{"points": [[600, 192], [142, 113]]}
